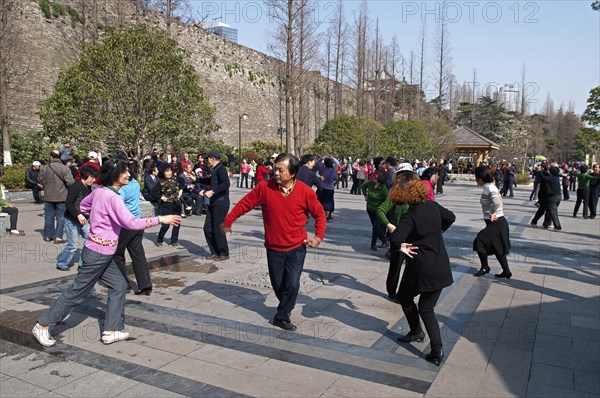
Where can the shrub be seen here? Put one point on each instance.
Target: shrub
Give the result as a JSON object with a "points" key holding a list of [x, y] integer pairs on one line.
{"points": [[14, 177], [58, 9], [45, 7], [522, 179]]}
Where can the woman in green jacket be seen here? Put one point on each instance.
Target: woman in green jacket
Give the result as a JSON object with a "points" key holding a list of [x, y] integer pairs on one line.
{"points": [[375, 193]]}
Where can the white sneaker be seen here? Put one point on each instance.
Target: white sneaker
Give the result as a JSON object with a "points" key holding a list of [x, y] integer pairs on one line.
{"points": [[114, 336], [43, 335]]}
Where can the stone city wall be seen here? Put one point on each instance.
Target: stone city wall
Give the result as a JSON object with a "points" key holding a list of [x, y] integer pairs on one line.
{"points": [[236, 79]]}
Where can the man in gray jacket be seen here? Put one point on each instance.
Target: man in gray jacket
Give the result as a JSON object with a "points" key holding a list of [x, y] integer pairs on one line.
{"points": [[55, 179]]}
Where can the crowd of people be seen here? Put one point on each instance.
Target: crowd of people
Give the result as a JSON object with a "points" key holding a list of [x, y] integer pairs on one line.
{"points": [[101, 204]]}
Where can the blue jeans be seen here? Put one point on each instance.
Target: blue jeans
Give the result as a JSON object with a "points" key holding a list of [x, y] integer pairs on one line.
{"points": [[54, 211], [285, 269], [96, 266], [74, 231]]}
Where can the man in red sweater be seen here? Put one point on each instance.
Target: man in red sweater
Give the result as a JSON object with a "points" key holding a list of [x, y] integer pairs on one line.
{"points": [[285, 206]]}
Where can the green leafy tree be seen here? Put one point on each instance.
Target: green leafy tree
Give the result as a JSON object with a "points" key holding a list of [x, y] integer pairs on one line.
{"points": [[345, 136], [407, 139], [132, 91], [441, 132], [485, 117], [29, 146], [587, 142], [592, 111], [264, 149]]}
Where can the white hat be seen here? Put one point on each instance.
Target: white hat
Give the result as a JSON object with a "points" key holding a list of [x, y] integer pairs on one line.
{"points": [[93, 155], [36, 163], [405, 167], [275, 155]]}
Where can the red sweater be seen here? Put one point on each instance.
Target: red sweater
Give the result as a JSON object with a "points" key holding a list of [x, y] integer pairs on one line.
{"points": [[284, 218]]}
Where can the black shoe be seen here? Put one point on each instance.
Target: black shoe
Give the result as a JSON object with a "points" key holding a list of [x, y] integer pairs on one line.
{"points": [[62, 269], [435, 357], [144, 292], [534, 225], [503, 274], [410, 337], [384, 245], [482, 271], [212, 257], [374, 248], [221, 258], [285, 325]]}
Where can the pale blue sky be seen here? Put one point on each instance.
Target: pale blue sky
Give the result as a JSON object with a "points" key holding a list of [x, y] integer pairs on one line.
{"points": [[559, 41]]}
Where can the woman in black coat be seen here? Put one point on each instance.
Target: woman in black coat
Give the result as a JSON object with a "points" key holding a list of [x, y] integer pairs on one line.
{"points": [[427, 269]]}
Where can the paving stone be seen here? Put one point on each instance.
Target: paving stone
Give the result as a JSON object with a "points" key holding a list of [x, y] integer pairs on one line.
{"points": [[539, 390], [587, 382], [471, 355], [552, 375], [585, 322], [451, 382], [350, 387], [144, 390], [18, 388], [97, 384], [497, 383], [56, 374], [227, 357]]}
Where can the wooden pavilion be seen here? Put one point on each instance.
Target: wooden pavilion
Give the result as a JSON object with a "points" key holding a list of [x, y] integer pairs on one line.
{"points": [[471, 144]]}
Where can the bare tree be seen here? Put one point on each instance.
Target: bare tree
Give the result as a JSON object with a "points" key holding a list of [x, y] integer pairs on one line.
{"points": [[339, 33], [421, 68], [360, 57], [523, 107], [172, 9], [10, 71], [443, 63]]}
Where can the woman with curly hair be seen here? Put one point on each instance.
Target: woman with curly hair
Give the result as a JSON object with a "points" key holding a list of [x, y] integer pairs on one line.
{"points": [[494, 238], [427, 272]]}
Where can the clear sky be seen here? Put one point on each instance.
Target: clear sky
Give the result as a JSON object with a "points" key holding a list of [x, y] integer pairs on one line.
{"points": [[558, 41]]}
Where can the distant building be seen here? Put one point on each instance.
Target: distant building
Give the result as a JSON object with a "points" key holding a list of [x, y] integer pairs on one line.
{"points": [[509, 96], [221, 29]]}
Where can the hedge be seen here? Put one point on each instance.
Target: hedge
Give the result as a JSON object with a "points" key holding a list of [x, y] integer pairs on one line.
{"points": [[14, 176]]}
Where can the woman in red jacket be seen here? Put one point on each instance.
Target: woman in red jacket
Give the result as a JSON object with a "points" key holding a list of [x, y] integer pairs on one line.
{"points": [[261, 172]]}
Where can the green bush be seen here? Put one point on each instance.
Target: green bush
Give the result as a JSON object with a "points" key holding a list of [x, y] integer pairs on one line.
{"points": [[14, 177], [522, 179], [45, 7], [58, 9]]}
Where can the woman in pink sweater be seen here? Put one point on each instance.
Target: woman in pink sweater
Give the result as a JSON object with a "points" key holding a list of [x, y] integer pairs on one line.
{"points": [[107, 215]]}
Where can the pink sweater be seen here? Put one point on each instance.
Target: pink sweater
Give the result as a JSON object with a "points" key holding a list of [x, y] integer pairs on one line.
{"points": [[108, 214]]}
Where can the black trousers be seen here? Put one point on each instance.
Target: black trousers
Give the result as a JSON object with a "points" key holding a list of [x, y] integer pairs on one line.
{"points": [[593, 201], [440, 184], [132, 241], [215, 238], [285, 270], [393, 276], [582, 196], [378, 230], [427, 302], [541, 210], [13, 212], [552, 212]]}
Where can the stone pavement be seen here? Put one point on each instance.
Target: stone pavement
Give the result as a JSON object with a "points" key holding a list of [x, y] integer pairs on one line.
{"points": [[205, 330]]}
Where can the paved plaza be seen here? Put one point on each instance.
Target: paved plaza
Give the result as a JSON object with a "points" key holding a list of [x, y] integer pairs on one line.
{"points": [[205, 331]]}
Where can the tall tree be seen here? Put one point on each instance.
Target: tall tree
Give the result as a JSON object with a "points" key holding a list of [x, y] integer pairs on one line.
{"points": [[360, 58], [442, 62], [131, 91], [421, 67], [591, 114], [10, 71]]}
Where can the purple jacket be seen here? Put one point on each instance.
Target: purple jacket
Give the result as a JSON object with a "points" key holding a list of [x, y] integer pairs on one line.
{"points": [[108, 214]]}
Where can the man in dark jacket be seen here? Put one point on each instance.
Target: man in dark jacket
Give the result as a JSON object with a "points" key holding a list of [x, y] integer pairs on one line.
{"points": [[55, 178], [76, 224], [31, 181], [306, 173], [218, 192]]}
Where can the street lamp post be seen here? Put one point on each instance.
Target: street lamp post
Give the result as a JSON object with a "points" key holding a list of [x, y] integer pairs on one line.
{"points": [[242, 117]]}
